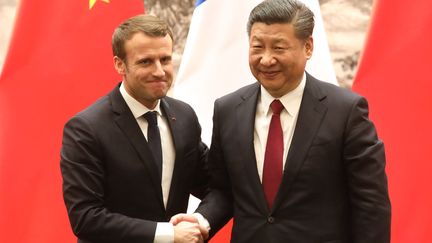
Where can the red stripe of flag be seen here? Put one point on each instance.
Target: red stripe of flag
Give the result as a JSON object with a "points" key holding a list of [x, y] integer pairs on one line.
{"points": [[394, 75], [59, 61]]}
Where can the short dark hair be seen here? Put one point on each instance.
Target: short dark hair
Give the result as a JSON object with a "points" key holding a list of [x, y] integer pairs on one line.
{"points": [[147, 24], [284, 11]]}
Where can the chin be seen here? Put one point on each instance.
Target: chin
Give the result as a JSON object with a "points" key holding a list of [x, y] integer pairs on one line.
{"points": [[160, 94], [272, 84]]}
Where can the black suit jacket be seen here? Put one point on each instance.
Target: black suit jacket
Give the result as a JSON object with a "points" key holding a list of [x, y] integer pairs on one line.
{"points": [[111, 186], [334, 187]]}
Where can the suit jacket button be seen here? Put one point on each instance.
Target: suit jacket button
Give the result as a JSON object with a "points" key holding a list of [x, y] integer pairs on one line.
{"points": [[270, 220]]}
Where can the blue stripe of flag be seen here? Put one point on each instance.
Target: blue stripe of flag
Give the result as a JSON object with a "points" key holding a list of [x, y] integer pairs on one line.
{"points": [[198, 2]]}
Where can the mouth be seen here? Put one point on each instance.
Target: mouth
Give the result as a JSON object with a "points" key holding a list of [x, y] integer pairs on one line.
{"points": [[158, 81], [269, 74], [157, 84]]}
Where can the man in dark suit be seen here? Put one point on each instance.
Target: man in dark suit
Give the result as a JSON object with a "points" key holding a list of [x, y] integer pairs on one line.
{"points": [[293, 159], [130, 160]]}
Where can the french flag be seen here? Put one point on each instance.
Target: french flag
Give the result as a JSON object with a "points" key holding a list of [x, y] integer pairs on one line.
{"points": [[215, 62]]}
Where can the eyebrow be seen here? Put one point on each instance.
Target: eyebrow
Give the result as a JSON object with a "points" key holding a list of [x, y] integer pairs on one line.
{"points": [[142, 59], [276, 40]]}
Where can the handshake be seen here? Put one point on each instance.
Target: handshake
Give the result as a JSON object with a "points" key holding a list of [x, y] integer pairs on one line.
{"points": [[190, 228]]}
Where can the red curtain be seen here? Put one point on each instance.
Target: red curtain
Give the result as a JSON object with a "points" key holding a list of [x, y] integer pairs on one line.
{"points": [[59, 62], [394, 76]]}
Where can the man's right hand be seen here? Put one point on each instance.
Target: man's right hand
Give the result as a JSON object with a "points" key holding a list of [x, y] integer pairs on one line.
{"points": [[187, 232], [193, 218]]}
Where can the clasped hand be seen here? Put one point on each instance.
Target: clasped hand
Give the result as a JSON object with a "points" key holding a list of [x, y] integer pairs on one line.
{"points": [[188, 229]]}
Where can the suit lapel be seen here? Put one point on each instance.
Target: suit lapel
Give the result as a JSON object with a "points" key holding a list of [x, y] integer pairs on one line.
{"points": [[245, 111], [309, 119], [179, 147], [128, 125]]}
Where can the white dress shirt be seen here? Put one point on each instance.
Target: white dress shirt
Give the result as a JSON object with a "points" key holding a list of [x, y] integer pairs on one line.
{"points": [[164, 231], [291, 102]]}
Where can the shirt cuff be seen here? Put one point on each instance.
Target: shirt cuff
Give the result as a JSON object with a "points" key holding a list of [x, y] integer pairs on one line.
{"points": [[164, 233], [202, 221]]}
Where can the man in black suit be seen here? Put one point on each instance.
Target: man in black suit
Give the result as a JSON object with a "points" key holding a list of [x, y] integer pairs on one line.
{"points": [[124, 176], [293, 159]]}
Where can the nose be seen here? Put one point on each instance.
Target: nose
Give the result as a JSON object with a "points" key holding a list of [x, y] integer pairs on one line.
{"points": [[158, 70], [267, 59]]}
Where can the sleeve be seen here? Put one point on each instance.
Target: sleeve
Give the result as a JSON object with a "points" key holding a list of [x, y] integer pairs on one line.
{"points": [[200, 186], [364, 159], [82, 168], [164, 233], [217, 206]]}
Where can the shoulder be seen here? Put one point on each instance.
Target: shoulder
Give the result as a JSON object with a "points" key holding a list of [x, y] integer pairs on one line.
{"points": [[180, 111], [176, 104], [97, 110], [330, 92], [90, 118], [101, 110], [240, 94]]}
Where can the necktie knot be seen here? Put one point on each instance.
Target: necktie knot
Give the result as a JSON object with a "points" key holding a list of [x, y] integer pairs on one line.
{"points": [[276, 107], [151, 118]]}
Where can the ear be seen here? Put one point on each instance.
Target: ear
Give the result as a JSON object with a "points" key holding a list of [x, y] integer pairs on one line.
{"points": [[119, 65], [309, 47]]}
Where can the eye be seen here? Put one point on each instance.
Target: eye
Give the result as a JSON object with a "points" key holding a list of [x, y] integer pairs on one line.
{"points": [[256, 44], [166, 60], [145, 61]]}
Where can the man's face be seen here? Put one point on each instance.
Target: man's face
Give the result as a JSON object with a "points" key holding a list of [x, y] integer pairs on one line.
{"points": [[148, 70], [277, 58]]}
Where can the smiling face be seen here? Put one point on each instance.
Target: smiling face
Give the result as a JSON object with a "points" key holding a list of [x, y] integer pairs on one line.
{"points": [[147, 69], [277, 58]]}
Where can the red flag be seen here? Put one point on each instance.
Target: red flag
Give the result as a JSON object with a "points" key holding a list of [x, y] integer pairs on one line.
{"points": [[59, 62], [394, 76]]}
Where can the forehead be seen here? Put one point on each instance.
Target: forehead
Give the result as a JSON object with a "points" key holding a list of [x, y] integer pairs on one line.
{"points": [[275, 31], [140, 42]]}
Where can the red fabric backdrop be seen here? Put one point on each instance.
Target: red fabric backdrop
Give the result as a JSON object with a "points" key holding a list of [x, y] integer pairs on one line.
{"points": [[394, 76], [59, 62]]}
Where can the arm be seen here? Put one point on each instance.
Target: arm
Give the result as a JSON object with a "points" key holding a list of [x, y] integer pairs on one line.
{"points": [[82, 167], [217, 206], [200, 186], [367, 183]]}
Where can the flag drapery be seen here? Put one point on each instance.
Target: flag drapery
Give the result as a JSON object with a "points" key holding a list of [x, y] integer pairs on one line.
{"points": [[215, 60], [393, 75], [59, 61]]}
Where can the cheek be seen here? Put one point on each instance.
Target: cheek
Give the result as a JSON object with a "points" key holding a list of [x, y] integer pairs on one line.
{"points": [[289, 61], [253, 58], [169, 71], [253, 61]]}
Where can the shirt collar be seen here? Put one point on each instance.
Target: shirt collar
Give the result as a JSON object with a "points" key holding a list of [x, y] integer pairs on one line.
{"points": [[135, 106], [290, 100]]}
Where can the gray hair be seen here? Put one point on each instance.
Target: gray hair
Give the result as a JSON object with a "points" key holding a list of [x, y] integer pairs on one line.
{"points": [[147, 24], [284, 11]]}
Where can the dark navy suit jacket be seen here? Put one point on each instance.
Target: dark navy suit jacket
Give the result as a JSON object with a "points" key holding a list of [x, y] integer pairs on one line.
{"points": [[111, 186], [334, 186]]}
